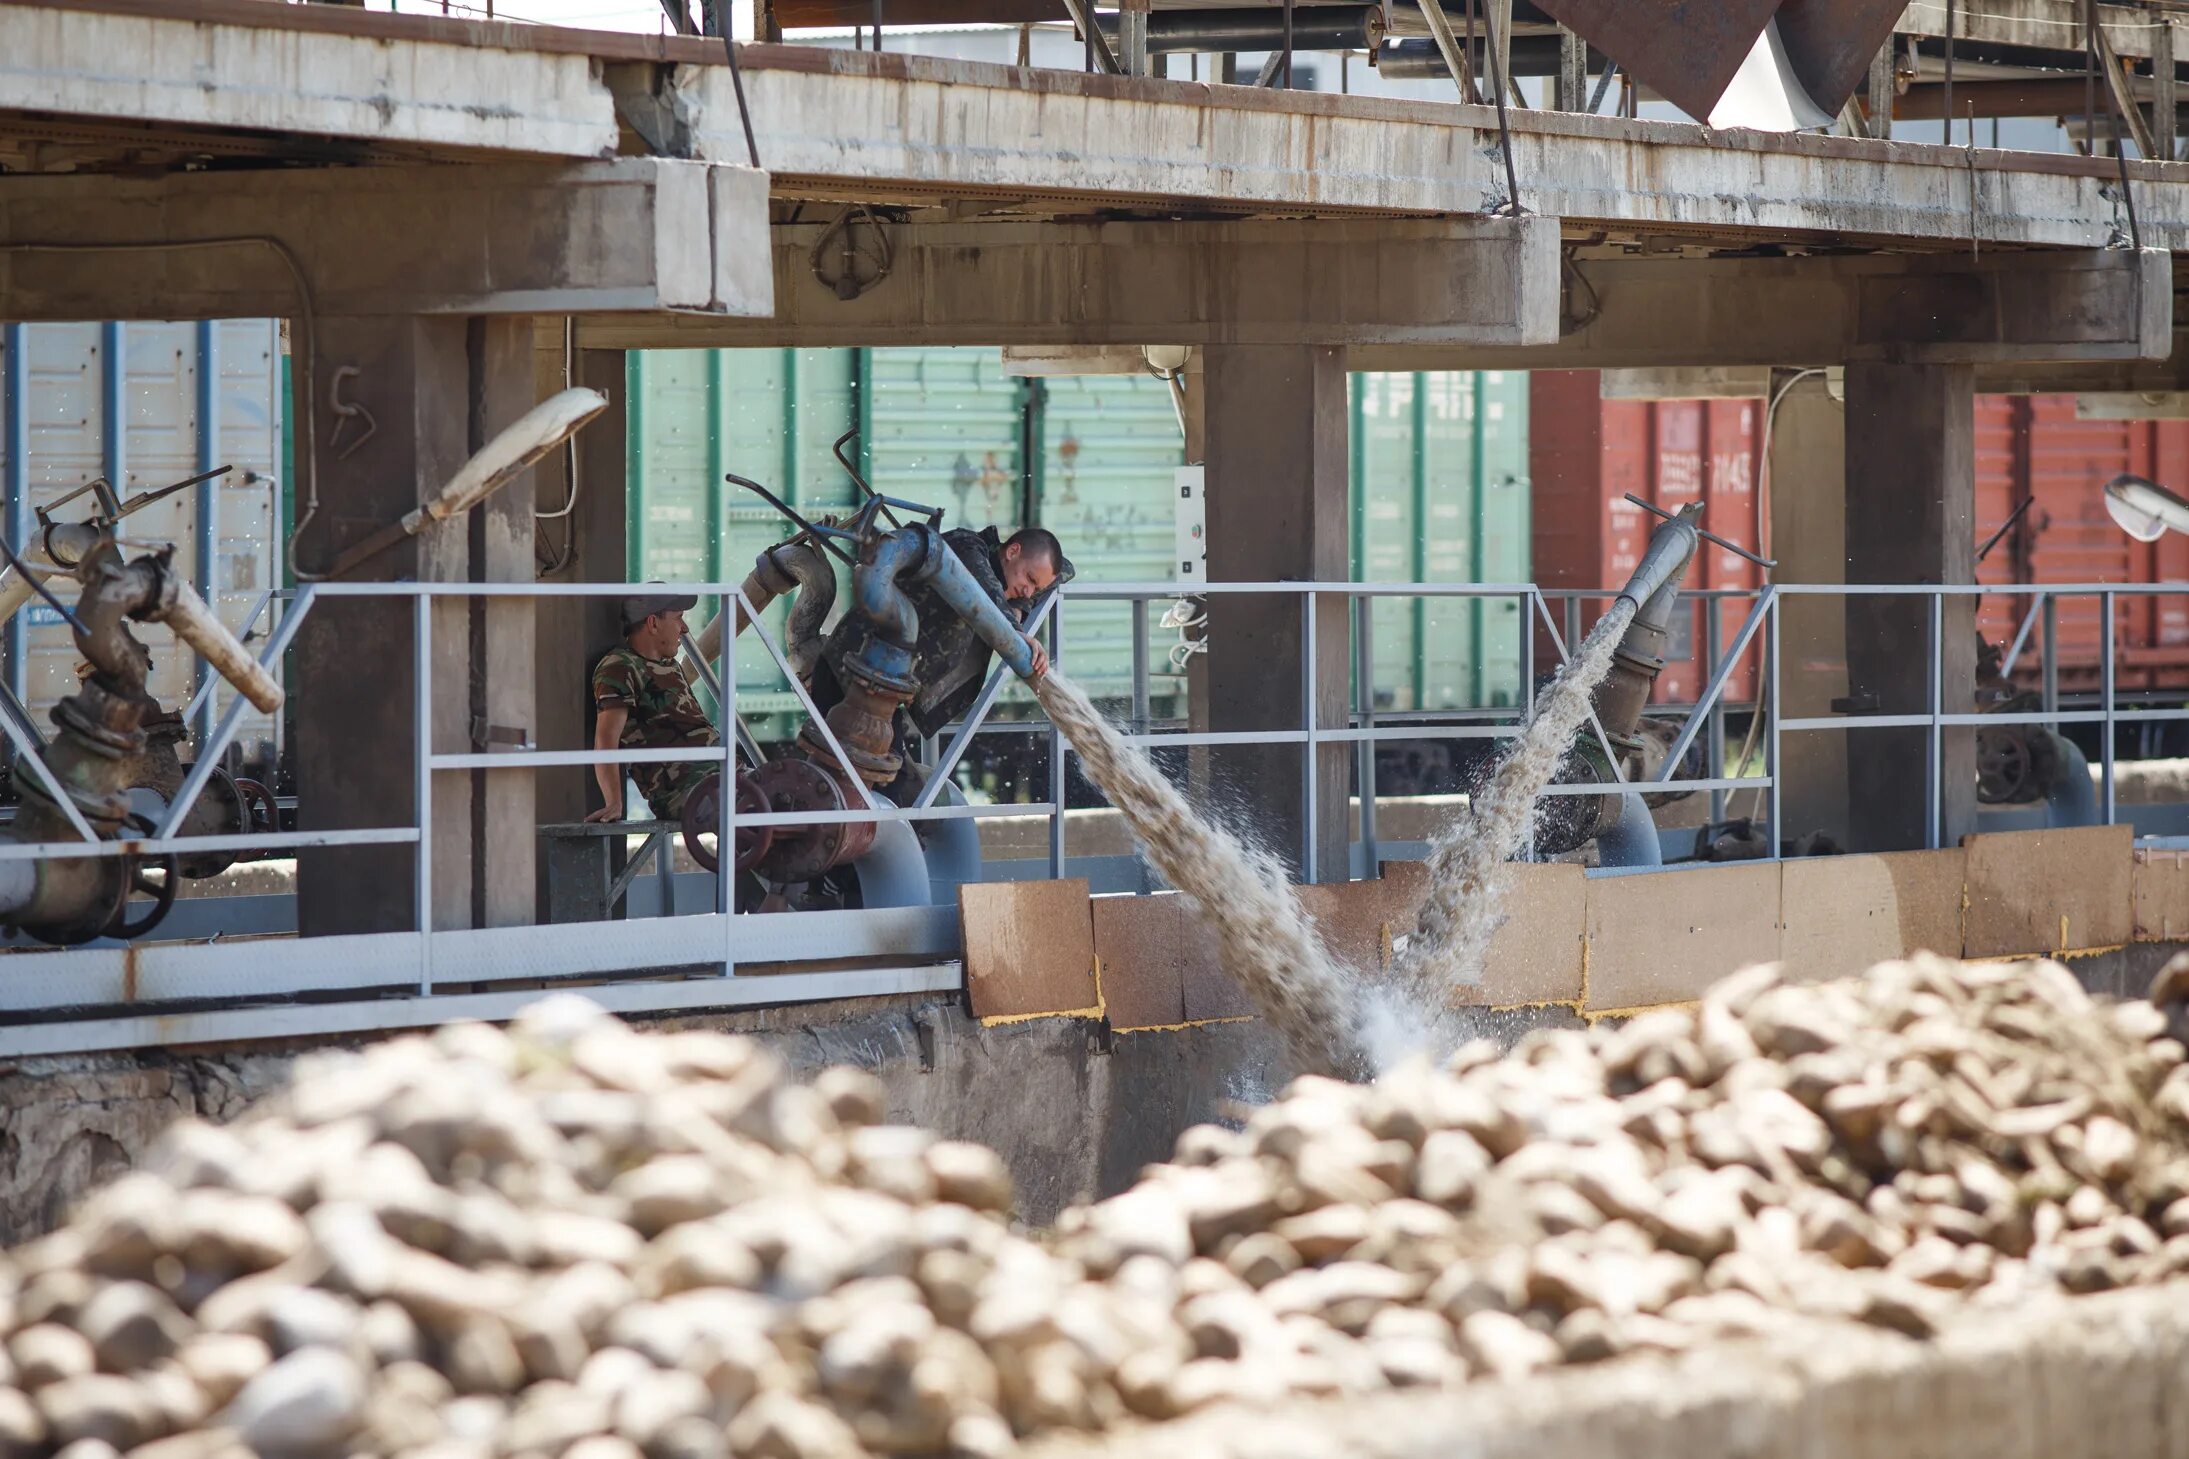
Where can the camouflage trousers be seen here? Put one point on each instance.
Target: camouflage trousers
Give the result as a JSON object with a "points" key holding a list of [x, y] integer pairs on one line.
{"points": [[667, 789]]}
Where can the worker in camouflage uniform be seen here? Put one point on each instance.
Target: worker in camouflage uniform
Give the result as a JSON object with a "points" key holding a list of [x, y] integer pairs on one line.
{"points": [[643, 702]]}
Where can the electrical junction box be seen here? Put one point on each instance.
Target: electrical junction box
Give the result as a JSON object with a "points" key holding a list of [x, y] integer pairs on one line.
{"points": [[1190, 562]]}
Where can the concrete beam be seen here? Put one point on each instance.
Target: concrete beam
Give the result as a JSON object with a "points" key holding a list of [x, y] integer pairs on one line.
{"points": [[2083, 305], [1079, 299], [2124, 405], [249, 65], [509, 238], [873, 126], [1687, 382], [1479, 281], [2052, 25]]}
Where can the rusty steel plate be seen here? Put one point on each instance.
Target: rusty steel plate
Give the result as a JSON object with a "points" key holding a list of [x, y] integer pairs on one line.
{"points": [[1830, 44], [1684, 50]]}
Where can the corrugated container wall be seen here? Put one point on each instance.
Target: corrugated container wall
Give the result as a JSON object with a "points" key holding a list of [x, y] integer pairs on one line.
{"points": [[1441, 494], [2033, 447], [1588, 454], [1093, 459], [146, 405]]}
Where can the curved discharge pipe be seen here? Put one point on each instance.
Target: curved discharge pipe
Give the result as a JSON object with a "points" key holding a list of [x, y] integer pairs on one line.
{"points": [[789, 567]]}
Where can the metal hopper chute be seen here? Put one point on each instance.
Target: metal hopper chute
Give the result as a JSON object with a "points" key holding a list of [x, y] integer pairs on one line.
{"points": [[1777, 65]]}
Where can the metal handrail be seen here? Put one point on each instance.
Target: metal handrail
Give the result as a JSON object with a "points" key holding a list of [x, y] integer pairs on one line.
{"points": [[457, 955]]}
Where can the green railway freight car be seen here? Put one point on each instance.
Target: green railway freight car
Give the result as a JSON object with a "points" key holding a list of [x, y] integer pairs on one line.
{"points": [[1440, 493]]}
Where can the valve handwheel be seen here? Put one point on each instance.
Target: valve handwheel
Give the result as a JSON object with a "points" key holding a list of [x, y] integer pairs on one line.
{"points": [[259, 804], [161, 892], [703, 817]]}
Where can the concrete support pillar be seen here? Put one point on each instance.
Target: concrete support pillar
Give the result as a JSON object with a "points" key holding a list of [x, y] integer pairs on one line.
{"points": [[1910, 518], [2165, 103], [1882, 89], [1808, 495], [1571, 93], [1277, 510], [590, 546], [436, 389]]}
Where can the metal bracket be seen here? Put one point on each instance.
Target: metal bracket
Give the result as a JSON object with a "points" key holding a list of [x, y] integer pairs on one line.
{"points": [[485, 736], [1732, 547]]}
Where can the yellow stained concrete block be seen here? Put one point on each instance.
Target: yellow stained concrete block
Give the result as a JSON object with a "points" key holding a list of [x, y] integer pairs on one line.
{"points": [[2035, 892], [1842, 914], [1664, 937]]}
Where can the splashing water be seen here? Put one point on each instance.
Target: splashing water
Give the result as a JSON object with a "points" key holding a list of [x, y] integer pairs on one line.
{"points": [[1466, 900], [1334, 1018], [1268, 943]]}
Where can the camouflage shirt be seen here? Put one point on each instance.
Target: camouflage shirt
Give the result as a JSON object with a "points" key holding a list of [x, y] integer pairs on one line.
{"points": [[662, 714]]}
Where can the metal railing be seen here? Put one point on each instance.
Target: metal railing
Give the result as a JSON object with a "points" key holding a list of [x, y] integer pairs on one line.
{"points": [[175, 992]]}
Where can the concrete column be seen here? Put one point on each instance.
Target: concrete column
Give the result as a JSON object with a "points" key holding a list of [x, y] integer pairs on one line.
{"points": [[1277, 510], [2165, 104], [1808, 496], [435, 389], [1571, 92], [574, 632], [1882, 89], [503, 699], [1910, 518]]}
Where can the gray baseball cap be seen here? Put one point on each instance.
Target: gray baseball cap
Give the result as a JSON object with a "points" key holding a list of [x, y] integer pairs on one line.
{"points": [[641, 606]]}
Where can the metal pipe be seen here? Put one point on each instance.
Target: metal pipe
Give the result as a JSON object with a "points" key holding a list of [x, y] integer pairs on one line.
{"points": [[874, 590], [1632, 839], [1314, 28], [1420, 60], [501, 461], [789, 567], [921, 550], [1653, 590], [2073, 800]]}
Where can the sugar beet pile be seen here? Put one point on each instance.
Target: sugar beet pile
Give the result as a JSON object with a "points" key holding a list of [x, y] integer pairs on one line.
{"points": [[576, 1239]]}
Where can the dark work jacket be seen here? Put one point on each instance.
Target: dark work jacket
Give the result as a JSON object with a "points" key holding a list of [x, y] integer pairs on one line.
{"points": [[950, 662]]}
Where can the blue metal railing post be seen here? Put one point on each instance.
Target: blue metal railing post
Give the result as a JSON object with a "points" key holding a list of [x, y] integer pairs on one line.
{"points": [[2106, 774], [15, 446], [1934, 786], [1310, 867], [208, 502], [422, 737], [1056, 748]]}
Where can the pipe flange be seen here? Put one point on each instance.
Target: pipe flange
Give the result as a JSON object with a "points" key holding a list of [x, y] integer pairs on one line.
{"points": [[801, 853], [875, 767], [881, 678], [103, 812], [95, 738]]}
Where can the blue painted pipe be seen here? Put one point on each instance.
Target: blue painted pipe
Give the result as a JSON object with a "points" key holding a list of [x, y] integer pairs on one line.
{"points": [[874, 590], [2074, 797], [879, 595], [1633, 841]]}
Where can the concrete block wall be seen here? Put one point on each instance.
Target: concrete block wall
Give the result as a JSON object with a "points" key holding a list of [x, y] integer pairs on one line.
{"points": [[1601, 946]]}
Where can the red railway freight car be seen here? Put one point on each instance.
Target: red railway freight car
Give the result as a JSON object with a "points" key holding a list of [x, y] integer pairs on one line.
{"points": [[2032, 447], [1586, 453]]}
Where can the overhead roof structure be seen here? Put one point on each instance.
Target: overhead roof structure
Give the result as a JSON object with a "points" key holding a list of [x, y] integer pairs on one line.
{"points": [[93, 89]]}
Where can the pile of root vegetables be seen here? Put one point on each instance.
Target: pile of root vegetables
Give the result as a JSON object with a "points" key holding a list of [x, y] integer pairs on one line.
{"points": [[574, 1238]]}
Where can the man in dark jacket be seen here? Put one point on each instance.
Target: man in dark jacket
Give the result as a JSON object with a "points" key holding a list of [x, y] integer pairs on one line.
{"points": [[950, 661]]}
